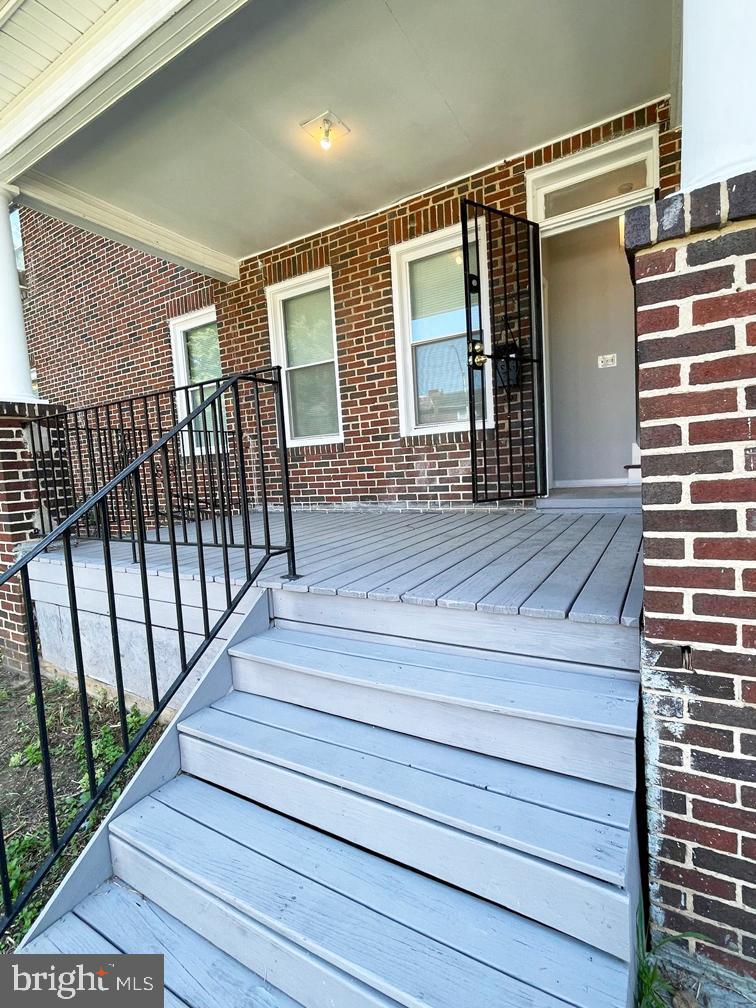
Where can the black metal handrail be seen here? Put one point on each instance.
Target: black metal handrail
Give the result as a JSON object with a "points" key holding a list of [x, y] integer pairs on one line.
{"points": [[256, 422]]}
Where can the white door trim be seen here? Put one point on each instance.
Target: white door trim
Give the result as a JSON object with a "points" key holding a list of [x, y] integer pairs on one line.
{"points": [[642, 144]]}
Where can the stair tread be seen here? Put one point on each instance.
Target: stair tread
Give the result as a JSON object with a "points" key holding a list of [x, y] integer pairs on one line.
{"points": [[120, 921], [593, 702], [415, 940], [383, 768], [583, 798]]}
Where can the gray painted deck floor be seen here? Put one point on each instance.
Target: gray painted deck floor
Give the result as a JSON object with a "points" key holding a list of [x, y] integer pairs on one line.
{"points": [[585, 567]]}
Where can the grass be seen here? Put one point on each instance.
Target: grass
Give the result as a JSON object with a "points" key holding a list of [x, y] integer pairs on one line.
{"points": [[22, 792], [652, 988]]}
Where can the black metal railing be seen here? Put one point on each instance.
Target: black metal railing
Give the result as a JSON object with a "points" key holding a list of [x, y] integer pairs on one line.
{"points": [[75, 451], [171, 504]]}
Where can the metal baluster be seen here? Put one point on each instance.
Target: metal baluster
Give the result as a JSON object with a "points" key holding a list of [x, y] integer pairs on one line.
{"points": [[174, 564], [4, 876], [198, 518], [519, 350], [221, 503], [79, 663], [179, 477], [39, 703], [242, 477], [225, 438], [261, 461], [113, 616], [210, 488], [153, 477], [146, 608], [285, 487], [80, 460]]}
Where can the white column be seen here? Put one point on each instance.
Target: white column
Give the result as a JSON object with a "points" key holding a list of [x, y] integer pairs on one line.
{"points": [[718, 90], [15, 377]]}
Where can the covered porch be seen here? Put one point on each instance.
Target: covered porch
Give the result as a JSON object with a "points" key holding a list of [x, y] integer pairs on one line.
{"points": [[584, 567]]}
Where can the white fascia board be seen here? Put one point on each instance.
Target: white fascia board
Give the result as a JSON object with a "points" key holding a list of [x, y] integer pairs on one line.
{"points": [[40, 192], [128, 44]]}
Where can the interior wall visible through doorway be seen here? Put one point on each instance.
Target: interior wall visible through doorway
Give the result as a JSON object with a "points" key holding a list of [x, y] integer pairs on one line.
{"points": [[589, 315]]}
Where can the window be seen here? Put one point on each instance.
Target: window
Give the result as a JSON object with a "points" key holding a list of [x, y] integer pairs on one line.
{"points": [[431, 333], [303, 340], [595, 184], [196, 359]]}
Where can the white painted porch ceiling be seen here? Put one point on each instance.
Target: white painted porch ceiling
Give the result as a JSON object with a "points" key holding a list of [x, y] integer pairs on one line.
{"points": [[210, 146], [34, 34]]}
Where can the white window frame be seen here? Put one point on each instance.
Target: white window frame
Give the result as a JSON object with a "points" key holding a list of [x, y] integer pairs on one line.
{"points": [[402, 255], [641, 145], [178, 327], [276, 295]]}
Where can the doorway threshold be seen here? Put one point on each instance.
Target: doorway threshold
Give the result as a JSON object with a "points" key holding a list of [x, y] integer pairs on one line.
{"points": [[593, 498]]}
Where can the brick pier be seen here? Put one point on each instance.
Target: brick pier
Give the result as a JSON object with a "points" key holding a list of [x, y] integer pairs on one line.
{"points": [[695, 267]]}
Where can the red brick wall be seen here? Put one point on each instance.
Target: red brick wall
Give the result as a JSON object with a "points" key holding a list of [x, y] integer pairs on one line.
{"points": [[696, 295], [97, 323], [19, 522]]}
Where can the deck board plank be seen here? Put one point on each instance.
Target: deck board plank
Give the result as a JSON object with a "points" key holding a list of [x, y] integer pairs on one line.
{"points": [[603, 595], [535, 536], [631, 611], [555, 595], [510, 561], [511, 593]]}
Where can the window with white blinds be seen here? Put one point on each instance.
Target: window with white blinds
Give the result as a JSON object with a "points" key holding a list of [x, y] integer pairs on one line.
{"points": [[300, 313], [431, 332]]}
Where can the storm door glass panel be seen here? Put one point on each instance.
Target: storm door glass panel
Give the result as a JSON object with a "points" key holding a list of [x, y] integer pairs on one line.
{"points": [[311, 365], [203, 364], [438, 338]]}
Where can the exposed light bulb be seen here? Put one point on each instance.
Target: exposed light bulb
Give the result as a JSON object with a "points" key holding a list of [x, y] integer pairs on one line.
{"points": [[458, 259], [325, 139]]}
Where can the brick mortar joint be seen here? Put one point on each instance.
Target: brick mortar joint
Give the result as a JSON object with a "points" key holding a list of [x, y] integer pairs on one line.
{"points": [[688, 214]]}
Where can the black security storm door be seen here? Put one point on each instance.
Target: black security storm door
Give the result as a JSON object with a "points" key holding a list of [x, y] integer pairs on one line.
{"points": [[502, 265]]}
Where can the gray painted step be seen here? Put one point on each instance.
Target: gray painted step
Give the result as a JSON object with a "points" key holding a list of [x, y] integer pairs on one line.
{"points": [[333, 925], [118, 920], [579, 725], [545, 864]]}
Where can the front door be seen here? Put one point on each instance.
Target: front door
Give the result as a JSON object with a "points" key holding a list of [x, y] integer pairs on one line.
{"points": [[507, 433]]}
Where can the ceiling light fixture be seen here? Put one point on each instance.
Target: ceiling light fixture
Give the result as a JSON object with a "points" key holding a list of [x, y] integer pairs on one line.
{"points": [[326, 128]]}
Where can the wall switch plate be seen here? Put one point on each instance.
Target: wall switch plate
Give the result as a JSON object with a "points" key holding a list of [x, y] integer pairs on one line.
{"points": [[607, 360]]}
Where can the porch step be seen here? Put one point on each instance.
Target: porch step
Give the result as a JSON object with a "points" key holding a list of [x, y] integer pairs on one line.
{"points": [[555, 715], [333, 925], [117, 920], [548, 846]]}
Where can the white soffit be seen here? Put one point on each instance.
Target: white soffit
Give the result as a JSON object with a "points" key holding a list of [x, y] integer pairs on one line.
{"points": [[34, 34], [210, 147], [77, 80]]}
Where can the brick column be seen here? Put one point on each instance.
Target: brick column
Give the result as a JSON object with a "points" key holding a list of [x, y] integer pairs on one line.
{"points": [[695, 269], [19, 519]]}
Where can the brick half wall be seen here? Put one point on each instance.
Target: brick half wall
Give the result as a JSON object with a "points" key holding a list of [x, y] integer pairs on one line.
{"points": [[695, 268]]}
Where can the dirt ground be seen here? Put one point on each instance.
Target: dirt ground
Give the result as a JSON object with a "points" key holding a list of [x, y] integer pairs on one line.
{"points": [[23, 808]]}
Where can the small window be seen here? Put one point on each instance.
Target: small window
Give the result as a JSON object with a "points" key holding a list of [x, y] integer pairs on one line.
{"points": [[196, 359], [595, 184], [596, 189], [431, 333], [303, 341]]}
